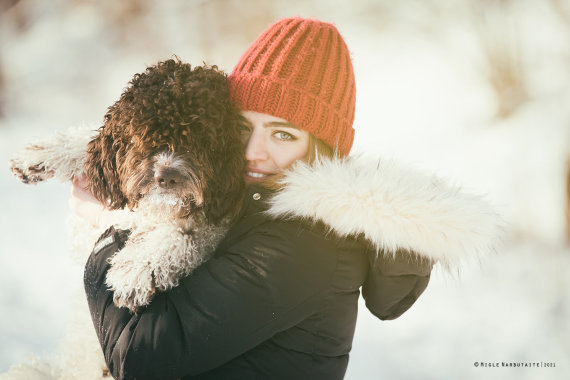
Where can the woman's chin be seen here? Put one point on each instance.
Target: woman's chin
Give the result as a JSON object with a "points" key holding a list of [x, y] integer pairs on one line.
{"points": [[253, 181]]}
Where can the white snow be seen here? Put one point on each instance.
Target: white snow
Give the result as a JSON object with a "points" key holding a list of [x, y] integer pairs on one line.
{"points": [[422, 99]]}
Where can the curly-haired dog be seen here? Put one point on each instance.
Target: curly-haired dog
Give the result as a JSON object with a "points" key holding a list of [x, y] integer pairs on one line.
{"points": [[169, 151]]}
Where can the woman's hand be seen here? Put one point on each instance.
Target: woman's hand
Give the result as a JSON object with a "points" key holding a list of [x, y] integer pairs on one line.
{"points": [[83, 204]]}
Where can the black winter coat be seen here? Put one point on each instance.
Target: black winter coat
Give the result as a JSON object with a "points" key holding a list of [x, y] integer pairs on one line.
{"points": [[278, 301], [279, 298]]}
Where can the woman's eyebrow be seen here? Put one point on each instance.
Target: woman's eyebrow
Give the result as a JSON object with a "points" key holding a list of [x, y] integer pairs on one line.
{"points": [[282, 124]]}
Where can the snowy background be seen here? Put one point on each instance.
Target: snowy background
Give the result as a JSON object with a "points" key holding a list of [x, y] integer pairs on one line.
{"points": [[475, 91]]}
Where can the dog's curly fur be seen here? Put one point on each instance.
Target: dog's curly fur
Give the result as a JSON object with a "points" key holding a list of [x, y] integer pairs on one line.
{"points": [[170, 154], [170, 108]]}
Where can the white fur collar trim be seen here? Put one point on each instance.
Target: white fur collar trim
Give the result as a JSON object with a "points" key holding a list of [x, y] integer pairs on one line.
{"points": [[392, 206]]}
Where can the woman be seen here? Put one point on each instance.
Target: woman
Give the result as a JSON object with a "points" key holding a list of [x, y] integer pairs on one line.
{"points": [[279, 298]]}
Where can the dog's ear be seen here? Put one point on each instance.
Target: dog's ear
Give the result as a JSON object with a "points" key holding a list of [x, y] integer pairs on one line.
{"points": [[227, 185], [228, 192], [101, 171]]}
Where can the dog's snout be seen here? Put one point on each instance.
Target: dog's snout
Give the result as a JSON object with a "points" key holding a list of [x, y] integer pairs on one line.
{"points": [[168, 178]]}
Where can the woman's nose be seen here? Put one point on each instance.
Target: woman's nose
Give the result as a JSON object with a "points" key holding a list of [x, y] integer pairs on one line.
{"points": [[256, 149]]}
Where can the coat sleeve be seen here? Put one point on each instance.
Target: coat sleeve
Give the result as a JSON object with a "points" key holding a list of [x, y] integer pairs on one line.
{"points": [[394, 283], [264, 284]]}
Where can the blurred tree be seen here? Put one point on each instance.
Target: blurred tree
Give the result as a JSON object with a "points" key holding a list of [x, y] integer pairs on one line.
{"points": [[13, 15], [497, 31], [125, 19], [224, 17], [2, 92], [219, 20], [492, 23]]}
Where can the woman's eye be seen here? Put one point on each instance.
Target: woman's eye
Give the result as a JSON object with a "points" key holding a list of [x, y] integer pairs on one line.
{"points": [[284, 135]]}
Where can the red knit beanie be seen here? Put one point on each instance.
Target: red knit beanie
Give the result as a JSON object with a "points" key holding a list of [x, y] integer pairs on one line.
{"points": [[300, 70]]}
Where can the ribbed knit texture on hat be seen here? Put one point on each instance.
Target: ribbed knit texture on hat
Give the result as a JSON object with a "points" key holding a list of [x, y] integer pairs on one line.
{"points": [[300, 70]]}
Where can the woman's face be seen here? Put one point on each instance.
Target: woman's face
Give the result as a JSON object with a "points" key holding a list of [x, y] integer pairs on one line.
{"points": [[272, 145]]}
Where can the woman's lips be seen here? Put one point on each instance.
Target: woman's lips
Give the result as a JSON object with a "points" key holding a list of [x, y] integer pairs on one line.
{"points": [[253, 175]]}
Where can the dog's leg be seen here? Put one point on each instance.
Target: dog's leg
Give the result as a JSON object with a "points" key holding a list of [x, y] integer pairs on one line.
{"points": [[152, 260], [61, 155], [134, 270]]}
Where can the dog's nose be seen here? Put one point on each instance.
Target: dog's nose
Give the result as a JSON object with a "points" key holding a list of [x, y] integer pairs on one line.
{"points": [[168, 178]]}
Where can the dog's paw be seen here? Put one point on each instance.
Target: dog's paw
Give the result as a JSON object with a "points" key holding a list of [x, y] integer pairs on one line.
{"points": [[131, 282], [133, 300], [29, 168]]}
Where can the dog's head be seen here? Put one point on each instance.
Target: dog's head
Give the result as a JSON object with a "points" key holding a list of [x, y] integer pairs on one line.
{"points": [[173, 140]]}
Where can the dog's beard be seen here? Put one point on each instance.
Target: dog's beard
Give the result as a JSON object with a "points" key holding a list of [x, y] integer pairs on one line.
{"points": [[174, 204], [167, 203], [164, 200], [177, 201]]}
